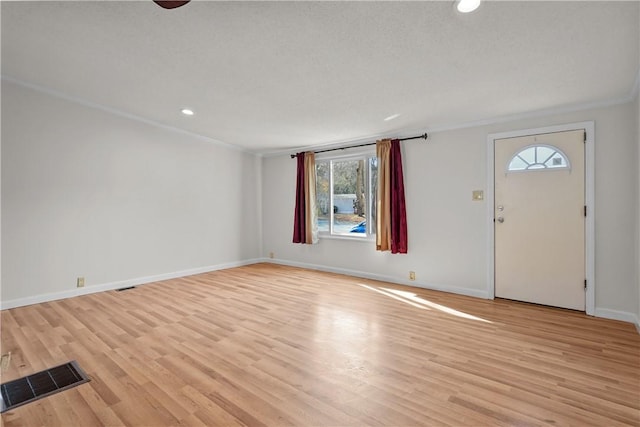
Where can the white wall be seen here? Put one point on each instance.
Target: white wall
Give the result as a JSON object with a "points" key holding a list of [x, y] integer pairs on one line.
{"points": [[637, 115], [93, 194], [447, 231]]}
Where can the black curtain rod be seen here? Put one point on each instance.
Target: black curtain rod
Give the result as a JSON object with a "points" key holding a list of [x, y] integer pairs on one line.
{"points": [[424, 136]]}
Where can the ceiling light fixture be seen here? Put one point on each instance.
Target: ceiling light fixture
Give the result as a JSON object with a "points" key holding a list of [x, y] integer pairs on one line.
{"points": [[466, 6], [187, 112], [391, 117], [170, 4]]}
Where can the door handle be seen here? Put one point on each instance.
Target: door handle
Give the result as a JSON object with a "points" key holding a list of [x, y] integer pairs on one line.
{"points": [[500, 219]]}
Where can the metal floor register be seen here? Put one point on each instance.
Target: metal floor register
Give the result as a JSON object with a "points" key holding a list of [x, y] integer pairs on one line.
{"points": [[41, 384]]}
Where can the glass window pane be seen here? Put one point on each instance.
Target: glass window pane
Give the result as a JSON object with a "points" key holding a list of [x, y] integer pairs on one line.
{"points": [[323, 198], [349, 197], [345, 193], [538, 157], [373, 185], [557, 161], [544, 153], [517, 164], [528, 154]]}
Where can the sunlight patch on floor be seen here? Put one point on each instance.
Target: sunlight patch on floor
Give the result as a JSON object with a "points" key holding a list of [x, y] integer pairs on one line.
{"points": [[415, 301], [394, 296]]}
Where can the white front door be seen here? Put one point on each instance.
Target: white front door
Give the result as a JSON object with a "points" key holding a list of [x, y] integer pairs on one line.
{"points": [[540, 219]]}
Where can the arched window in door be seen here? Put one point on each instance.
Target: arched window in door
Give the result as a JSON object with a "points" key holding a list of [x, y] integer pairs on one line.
{"points": [[538, 157]]}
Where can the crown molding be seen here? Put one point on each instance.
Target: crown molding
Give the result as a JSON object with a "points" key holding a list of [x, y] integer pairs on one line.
{"points": [[632, 95], [465, 125], [571, 108], [120, 113]]}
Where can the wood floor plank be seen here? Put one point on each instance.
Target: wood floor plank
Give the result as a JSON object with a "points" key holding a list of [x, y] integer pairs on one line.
{"points": [[272, 345]]}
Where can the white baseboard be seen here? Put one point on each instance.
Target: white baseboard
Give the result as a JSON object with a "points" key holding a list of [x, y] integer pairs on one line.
{"points": [[20, 302], [618, 315], [366, 275], [599, 312]]}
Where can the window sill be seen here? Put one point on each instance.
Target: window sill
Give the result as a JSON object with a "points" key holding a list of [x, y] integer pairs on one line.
{"points": [[371, 239]]}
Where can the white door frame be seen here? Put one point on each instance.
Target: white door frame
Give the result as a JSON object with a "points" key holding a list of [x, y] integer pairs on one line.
{"points": [[589, 183]]}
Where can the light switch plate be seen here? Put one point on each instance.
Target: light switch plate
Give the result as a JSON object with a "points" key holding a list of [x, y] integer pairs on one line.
{"points": [[477, 195]]}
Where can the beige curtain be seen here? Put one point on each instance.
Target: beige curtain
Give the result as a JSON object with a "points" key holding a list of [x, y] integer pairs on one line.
{"points": [[311, 213], [383, 208]]}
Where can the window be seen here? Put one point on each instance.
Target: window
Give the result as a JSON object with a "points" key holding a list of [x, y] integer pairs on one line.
{"points": [[346, 193], [538, 157]]}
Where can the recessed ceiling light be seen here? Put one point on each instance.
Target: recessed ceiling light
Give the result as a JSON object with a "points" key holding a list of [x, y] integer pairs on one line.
{"points": [[187, 112], [466, 6], [391, 117]]}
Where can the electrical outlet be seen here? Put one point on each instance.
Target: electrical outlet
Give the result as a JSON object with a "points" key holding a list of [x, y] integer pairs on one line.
{"points": [[4, 362], [80, 282], [271, 255], [412, 275], [477, 195]]}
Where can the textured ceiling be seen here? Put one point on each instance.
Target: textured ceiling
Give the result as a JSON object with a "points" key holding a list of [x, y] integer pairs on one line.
{"points": [[269, 76]]}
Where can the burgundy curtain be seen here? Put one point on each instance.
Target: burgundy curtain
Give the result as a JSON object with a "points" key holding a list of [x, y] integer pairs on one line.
{"points": [[398, 207], [391, 231], [305, 225], [299, 221]]}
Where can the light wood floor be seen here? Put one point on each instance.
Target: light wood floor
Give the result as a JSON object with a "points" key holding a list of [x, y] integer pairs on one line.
{"points": [[277, 346]]}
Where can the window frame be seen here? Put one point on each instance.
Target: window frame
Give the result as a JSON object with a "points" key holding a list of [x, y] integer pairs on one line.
{"points": [[566, 167], [365, 154]]}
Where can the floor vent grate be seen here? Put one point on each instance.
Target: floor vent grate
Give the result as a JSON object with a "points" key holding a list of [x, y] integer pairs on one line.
{"points": [[36, 386]]}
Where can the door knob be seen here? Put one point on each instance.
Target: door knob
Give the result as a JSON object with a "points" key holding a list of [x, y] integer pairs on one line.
{"points": [[500, 219]]}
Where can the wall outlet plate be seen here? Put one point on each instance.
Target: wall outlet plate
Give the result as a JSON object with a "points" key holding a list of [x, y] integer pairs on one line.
{"points": [[477, 195], [5, 361], [80, 282], [412, 275]]}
